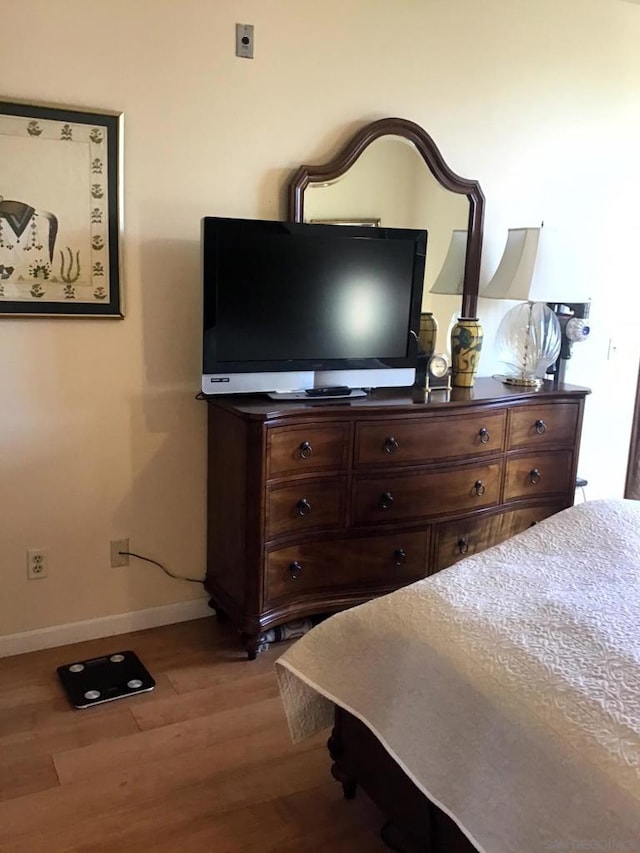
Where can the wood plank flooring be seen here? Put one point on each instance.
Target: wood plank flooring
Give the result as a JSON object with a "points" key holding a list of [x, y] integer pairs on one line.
{"points": [[202, 763]]}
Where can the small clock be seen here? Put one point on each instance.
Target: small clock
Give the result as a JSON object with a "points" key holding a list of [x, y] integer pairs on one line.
{"points": [[438, 373]]}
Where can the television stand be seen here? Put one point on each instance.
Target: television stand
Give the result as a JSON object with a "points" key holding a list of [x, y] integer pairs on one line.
{"points": [[337, 392]]}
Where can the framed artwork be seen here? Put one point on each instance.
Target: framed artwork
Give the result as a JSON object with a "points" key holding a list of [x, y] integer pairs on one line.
{"points": [[60, 211]]}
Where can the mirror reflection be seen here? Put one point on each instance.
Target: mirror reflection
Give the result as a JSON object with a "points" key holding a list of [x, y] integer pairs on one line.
{"points": [[391, 185]]}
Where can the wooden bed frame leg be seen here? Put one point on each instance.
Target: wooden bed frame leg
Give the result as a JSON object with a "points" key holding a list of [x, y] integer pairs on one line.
{"points": [[414, 823], [334, 745], [338, 771], [392, 838], [397, 840], [349, 784]]}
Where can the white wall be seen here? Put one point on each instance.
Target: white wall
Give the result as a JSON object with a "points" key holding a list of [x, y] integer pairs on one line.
{"points": [[100, 435]]}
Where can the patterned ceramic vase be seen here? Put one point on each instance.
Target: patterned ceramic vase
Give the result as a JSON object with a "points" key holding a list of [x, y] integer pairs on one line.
{"points": [[466, 343], [428, 332]]}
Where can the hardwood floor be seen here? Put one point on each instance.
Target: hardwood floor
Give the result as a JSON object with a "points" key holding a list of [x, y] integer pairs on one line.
{"points": [[202, 763]]}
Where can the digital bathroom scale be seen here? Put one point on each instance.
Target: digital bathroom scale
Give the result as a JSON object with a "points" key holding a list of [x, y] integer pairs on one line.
{"points": [[105, 679]]}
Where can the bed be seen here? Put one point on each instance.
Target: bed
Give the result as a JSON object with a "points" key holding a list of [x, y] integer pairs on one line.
{"points": [[494, 706]]}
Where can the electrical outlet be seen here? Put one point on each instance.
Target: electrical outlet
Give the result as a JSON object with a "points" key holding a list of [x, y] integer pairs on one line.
{"points": [[117, 557], [36, 564], [244, 41]]}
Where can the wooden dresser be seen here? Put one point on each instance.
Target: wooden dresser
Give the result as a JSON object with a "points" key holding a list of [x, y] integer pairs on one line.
{"points": [[317, 506]]}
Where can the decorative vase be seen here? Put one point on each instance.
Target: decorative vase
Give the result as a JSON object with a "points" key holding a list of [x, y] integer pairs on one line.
{"points": [[426, 346], [428, 332], [466, 344]]}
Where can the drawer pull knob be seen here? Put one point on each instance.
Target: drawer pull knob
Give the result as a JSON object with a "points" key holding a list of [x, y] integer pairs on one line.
{"points": [[399, 557], [463, 545], [386, 500], [295, 570], [303, 506], [391, 444], [484, 435], [534, 476], [305, 450], [479, 487], [541, 427]]}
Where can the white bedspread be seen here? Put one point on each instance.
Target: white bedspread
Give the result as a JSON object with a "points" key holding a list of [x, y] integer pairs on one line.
{"points": [[507, 686]]}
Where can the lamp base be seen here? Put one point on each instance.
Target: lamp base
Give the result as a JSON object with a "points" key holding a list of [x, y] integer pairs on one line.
{"points": [[523, 381]]}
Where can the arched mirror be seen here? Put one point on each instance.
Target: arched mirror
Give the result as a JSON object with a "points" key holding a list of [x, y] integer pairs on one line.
{"points": [[391, 173]]}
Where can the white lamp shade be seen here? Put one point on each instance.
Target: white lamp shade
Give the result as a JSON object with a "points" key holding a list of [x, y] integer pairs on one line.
{"points": [[543, 265], [565, 270], [514, 277], [451, 277]]}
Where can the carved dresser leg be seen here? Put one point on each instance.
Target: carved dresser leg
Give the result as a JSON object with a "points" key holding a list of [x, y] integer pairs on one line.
{"points": [[251, 645]]}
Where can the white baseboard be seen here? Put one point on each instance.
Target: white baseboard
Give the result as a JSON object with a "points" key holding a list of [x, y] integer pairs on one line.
{"points": [[106, 626]]}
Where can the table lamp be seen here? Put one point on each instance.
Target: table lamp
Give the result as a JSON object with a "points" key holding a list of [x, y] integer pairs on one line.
{"points": [[465, 333], [528, 339]]}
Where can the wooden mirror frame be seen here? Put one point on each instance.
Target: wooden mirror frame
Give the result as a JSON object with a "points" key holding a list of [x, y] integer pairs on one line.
{"points": [[632, 482], [431, 155]]}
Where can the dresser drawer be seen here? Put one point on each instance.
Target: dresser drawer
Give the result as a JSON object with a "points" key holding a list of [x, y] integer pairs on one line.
{"points": [[434, 438], [536, 474], [292, 450], [305, 505], [408, 497], [457, 539], [322, 567], [551, 425]]}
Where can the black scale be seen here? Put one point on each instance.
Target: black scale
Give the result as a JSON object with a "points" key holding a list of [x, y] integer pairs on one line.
{"points": [[105, 679]]}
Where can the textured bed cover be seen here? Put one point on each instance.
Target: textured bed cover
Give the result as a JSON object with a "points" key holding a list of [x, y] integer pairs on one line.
{"points": [[507, 686]]}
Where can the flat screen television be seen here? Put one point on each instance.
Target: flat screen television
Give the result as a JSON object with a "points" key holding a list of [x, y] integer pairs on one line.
{"points": [[293, 307]]}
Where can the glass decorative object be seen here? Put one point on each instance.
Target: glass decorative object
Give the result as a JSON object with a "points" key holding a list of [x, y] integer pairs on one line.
{"points": [[528, 342], [466, 344]]}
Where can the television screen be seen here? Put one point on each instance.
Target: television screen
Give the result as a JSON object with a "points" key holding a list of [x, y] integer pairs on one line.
{"points": [[285, 297]]}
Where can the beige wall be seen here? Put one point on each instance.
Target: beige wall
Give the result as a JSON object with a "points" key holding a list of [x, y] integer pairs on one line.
{"points": [[100, 436]]}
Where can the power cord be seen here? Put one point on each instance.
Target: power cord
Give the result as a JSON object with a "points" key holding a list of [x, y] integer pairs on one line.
{"points": [[156, 563]]}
